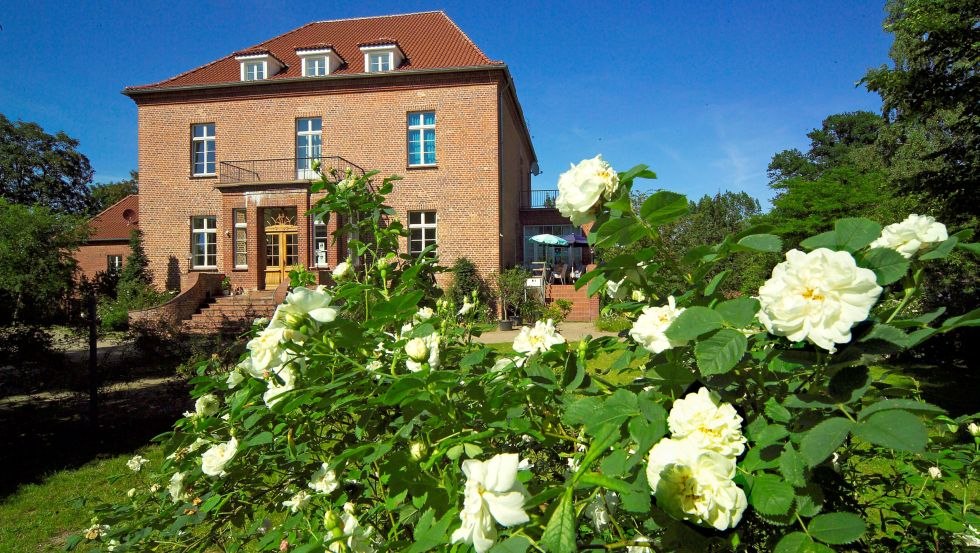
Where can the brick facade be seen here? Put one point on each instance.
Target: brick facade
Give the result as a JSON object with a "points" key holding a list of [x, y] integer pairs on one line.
{"points": [[483, 160], [92, 258]]}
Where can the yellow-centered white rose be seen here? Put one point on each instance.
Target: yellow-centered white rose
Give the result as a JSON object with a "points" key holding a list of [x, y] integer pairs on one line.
{"points": [[817, 296], [214, 460], [695, 484], [707, 422], [651, 326], [538, 339], [422, 350], [324, 480], [582, 187], [492, 493], [911, 235]]}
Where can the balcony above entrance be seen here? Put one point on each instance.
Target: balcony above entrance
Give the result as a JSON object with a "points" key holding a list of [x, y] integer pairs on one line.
{"points": [[283, 170]]}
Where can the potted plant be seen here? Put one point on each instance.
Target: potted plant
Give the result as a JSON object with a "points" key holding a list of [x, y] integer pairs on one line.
{"points": [[226, 286], [509, 286]]}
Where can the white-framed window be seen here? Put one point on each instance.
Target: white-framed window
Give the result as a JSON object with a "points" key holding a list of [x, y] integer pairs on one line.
{"points": [[202, 150], [380, 61], [204, 242], [421, 231], [114, 263], [422, 138], [240, 238], [254, 70], [308, 135], [320, 241], [315, 66]]}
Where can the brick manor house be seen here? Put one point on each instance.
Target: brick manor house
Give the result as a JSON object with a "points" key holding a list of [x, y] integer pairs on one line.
{"points": [[226, 150]]}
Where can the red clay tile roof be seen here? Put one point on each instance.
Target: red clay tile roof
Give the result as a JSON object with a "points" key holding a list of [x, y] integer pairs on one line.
{"points": [[117, 221], [429, 40]]}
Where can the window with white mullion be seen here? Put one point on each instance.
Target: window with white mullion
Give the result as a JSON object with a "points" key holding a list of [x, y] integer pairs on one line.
{"points": [[320, 241], [254, 70], [315, 66], [421, 231], [422, 138], [308, 144], [204, 242], [240, 238], [203, 150], [379, 62]]}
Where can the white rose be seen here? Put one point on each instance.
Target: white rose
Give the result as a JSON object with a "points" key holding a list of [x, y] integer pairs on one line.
{"points": [[423, 350], [207, 405], [214, 460], [817, 296], [260, 321], [709, 423], [275, 389], [302, 302], [235, 377], [298, 502], [582, 187], [266, 350], [136, 463], [598, 510], [176, 488], [341, 271], [694, 484], [974, 429], [538, 339], [638, 296], [424, 314], [935, 473], [131, 492], [359, 539], [651, 326], [467, 307], [492, 493], [911, 235], [324, 480]]}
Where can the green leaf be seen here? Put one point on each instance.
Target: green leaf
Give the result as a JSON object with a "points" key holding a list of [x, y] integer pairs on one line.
{"points": [[972, 247], [671, 377], [823, 439], [798, 542], [906, 404], [513, 544], [739, 312], [403, 388], [663, 207], [693, 322], [640, 171], [823, 240], [715, 281], [259, 439], [888, 334], [940, 251], [762, 243], [856, 233], [770, 495], [894, 428], [559, 534], [792, 466], [970, 318], [474, 358], [430, 533], [602, 481], [776, 412], [837, 528], [888, 265], [720, 352]]}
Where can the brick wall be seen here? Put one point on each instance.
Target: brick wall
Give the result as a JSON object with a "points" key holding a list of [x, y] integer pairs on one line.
{"points": [[584, 308], [93, 258], [363, 124]]}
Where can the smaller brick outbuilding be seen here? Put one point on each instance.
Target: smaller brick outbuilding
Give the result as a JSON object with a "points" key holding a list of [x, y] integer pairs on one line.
{"points": [[108, 244]]}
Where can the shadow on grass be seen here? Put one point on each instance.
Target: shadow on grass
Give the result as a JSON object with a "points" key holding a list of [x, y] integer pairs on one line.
{"points": [[51, 432]]}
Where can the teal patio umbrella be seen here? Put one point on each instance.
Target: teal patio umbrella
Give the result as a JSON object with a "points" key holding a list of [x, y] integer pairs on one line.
{"points": [[549, 240]]}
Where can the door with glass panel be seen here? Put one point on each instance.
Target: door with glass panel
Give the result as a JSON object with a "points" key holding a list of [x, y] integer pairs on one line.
{"points": [[281, 244], [308, 134]]}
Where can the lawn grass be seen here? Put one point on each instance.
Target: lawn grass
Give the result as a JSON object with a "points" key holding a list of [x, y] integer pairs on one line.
{"points": [[41, 517]]}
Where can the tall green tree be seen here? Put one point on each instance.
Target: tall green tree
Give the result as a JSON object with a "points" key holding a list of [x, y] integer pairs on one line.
{"points": [[37, 265], [41, 168], [105, 194], [931, 98], [135, 278]]}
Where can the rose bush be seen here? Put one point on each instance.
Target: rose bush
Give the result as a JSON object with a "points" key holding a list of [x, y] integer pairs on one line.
{"points": [[364, 417]]}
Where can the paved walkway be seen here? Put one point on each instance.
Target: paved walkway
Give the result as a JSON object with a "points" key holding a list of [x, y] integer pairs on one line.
{"points": [[572, 332]]}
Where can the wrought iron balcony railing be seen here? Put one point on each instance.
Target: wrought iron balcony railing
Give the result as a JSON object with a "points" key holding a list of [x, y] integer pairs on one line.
{"points": [[538, 199], [256, 171]]}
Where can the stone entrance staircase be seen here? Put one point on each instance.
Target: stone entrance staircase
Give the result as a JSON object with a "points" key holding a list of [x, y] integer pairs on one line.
{"points": [[231, 314]]}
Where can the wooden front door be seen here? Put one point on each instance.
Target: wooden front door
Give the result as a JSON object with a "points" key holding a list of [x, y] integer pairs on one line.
{"points": [[281, 244]]}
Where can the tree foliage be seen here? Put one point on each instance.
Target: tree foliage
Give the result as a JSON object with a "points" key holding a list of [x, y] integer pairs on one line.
{"points": [[931, 97], [36, 258], [40, 168], [105, 194]]}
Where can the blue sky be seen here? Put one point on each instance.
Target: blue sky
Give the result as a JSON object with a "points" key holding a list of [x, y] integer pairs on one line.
{"points": [[703, 92]]}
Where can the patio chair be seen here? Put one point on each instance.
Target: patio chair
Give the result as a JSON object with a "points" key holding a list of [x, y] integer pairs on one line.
{"points": [[559, 273]]}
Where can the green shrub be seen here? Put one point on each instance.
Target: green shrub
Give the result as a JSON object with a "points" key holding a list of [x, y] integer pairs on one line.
{"points": [[613, 322], [465, 281], [112, 314], [557, 311]]}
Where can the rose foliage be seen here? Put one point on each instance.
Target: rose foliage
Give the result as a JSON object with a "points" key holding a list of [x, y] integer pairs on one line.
{"points": [[364, 417]]}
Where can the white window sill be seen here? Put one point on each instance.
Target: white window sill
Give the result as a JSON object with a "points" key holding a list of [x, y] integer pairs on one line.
{"points": [[411, 166], [241, 267], [204, 267], [204, 174]]}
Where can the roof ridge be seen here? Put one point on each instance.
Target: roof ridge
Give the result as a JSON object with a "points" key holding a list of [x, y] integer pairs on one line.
{"points": [[466, 36], [99, 214], [379, 16]]}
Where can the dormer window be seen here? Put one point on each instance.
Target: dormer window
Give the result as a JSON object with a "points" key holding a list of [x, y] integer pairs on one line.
{"points": [[318, 61], [258, 65], [381, 56]]}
